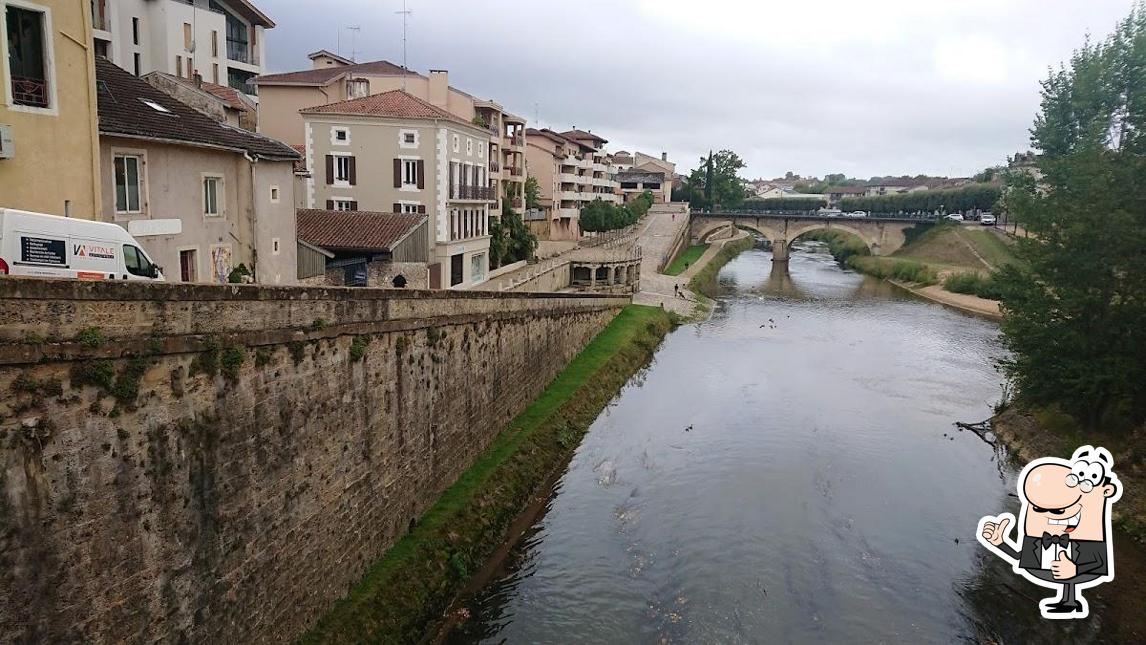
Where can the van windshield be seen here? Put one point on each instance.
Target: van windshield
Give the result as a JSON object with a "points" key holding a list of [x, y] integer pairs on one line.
{"points": [[136, 262]]}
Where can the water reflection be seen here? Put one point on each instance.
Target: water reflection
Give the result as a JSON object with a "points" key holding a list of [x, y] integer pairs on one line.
{"points": [[786, 472]]}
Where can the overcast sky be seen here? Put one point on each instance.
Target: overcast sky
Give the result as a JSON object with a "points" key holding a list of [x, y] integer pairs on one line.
{"points": [[883, 87]]}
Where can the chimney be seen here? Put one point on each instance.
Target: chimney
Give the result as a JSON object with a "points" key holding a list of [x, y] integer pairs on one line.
{"points": [[439, 87], [664, 156]]}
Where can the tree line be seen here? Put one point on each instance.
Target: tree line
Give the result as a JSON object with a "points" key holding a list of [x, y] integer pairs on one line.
{"points": [[951, 200], [601, 216]]}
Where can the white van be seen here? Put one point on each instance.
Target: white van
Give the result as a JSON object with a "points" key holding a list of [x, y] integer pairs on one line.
{"points": [[49, 246]]}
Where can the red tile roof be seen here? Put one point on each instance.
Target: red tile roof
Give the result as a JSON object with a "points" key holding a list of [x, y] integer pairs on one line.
{"points": [[581, 135], [355, 230], [394, 103], [228, 95], [325, 75]]}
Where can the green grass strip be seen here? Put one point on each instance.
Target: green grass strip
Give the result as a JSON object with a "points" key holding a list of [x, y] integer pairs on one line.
{"points": [[405, 592], [685, 259]]}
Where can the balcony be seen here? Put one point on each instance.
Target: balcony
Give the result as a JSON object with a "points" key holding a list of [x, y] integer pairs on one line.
{"points": [[517, 140], [568, 178], [515, 171], [473, 193], [494, 166], [517, 202], [240, 51]]}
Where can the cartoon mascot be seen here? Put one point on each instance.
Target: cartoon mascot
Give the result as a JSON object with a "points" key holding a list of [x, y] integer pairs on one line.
{"points": [[1064, 528]]}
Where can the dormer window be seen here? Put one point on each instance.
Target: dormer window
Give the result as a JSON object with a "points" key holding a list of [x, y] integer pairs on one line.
{"points": [[357, 88]]}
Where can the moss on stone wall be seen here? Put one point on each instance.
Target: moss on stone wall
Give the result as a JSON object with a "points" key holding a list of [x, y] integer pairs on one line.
{"points": [[407, 591]]}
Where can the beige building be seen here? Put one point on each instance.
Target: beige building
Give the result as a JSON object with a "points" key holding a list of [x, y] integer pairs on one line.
{"points": [[221, 39], [394, 152], [48, 136], [649, 163], [200, 196], [572, 169], [333, 78]]}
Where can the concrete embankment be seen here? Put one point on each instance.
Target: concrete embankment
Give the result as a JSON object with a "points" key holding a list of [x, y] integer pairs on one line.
{"points": [[405, 594]]}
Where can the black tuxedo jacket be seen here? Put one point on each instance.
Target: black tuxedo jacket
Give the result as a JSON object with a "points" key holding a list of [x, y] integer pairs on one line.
{"points": [[1089, 556]]}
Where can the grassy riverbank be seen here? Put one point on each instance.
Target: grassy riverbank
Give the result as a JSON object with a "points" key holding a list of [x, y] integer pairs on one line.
{"points": [[405, 593], [685, 259], [703, 282]]}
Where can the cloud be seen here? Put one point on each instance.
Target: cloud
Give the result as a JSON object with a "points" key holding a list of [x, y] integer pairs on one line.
{"points": [[816, 86]]}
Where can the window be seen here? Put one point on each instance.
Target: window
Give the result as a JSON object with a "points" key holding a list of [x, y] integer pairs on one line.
{"points": [[188, 269], [215, 73], [469, 146], [342, 168], [477, 267], [456, 143], [481, 149], [28, 57], [135, 31], [137, 263], [214, 43], [128, 184], [409, 208], [357, 88], [179, 66], [456, 268], [138, 64], [345, 205], [155, 106], [274, 194], [212, 186], [408, 137], [187, 36], [409, 172], [340, 136], [274, 246]]}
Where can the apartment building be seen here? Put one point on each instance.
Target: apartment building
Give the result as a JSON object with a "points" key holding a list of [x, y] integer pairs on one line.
{"points": [[222, 40], [572, 169], [48, 136], [649, 163], [333, 78], [201, 197], [412, 157]]}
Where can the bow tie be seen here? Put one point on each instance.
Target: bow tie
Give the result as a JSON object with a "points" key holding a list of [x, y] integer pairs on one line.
{"points": [[1047, 540]]}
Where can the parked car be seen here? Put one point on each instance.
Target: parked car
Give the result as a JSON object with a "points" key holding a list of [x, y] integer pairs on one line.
{"points": [[857, 214], [955, 217], [987, 219], [50, 246], [830, 212]]}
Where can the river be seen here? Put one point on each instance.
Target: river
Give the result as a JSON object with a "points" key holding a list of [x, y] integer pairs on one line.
{"points": [[787, 471]]}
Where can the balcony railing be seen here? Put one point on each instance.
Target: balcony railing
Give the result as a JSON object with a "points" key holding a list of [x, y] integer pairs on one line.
{"points": [[515, 140], [494, 166], [476, 193], [241, 51], [30, 91], [517, 203], [515, 171]]}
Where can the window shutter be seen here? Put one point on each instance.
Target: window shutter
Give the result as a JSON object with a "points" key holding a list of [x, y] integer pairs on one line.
{"points": [[421, 174], [397, 173], [330, 204], [421, 209], [353, 171], [397, 208], [329, 169], [354, 205]]}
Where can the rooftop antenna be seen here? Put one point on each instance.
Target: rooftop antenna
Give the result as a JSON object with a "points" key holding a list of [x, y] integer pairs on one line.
{"points": [[353, 39], [405, 14]]}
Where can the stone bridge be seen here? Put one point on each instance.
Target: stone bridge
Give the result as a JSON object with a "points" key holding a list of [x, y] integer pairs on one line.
{"points": [[883, 235]]}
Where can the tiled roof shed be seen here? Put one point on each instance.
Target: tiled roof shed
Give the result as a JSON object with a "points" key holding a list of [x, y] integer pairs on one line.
{"points": [[364, 231], [131, 107]]}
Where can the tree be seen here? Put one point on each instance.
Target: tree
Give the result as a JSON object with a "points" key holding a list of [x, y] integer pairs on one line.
{"points": [[716, 182], [510, 240], [1075, 307], [532, 192]]}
